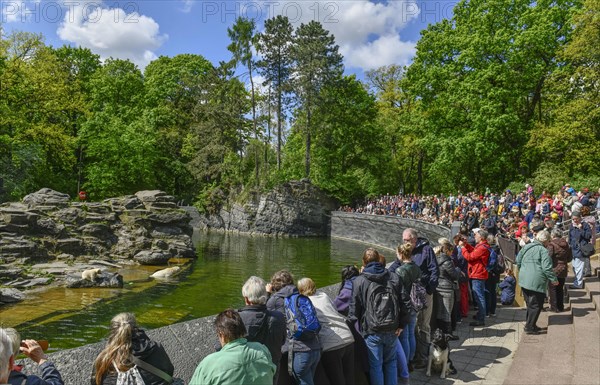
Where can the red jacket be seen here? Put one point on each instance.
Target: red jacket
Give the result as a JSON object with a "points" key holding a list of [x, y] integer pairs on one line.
{"points": [[477, 258]]}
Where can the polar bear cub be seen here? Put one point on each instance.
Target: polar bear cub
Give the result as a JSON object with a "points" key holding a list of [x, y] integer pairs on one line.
{"points": [[166, 273], [90, 274]]}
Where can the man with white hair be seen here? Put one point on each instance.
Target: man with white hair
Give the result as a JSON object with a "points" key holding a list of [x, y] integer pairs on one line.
{"points": [[263, 325], [535, 271]]}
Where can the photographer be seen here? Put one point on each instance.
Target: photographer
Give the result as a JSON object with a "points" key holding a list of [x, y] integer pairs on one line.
{"points": [[33, 350]]}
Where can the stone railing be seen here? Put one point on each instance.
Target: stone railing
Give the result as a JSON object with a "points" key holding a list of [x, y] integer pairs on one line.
{"points": [[186, 343], [381, 230]]}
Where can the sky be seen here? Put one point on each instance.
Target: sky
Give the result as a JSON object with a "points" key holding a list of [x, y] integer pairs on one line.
{"points": [[370, 34]]}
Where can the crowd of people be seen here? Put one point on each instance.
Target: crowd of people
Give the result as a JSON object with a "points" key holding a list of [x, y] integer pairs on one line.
{"points": [[378, 327], [505, 209]]}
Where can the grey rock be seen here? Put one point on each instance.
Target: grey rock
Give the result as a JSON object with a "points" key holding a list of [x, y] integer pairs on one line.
{"points": [[152, 257], [295, 208], [104, 279], [70, 246], [128, 202], [50, 227], [173, 218], [8, 295], [30, 283], [48, 197], [166, 230], [154, 196], [99, 230], [10, 273], [71, 215]]}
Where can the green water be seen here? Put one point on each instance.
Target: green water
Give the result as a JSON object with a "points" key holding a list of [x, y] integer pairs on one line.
{"points": [[74, 317]]}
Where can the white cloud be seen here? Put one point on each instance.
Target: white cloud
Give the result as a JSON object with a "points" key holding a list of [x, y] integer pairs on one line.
{"points": [[387, 49], [112, 32], [187, 6], [368, 33]]}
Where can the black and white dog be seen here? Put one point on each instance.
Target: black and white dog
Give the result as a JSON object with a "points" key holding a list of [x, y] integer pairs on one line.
{"points": [[439, 355]]}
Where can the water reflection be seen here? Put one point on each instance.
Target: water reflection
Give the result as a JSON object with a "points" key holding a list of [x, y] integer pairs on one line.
{"points": [[73, 317]]}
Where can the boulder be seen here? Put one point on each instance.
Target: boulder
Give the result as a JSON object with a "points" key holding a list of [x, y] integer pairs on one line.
{"points": [[10, 273], [27, 283], [49, 226], [8, 295], [152, 257], [47, 197], [104, 279], [128, 202], [295, 208]]}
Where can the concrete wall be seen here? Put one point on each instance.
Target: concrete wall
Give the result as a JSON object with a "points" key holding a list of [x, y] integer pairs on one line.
{"points": [[381, 230], [187, 343]]}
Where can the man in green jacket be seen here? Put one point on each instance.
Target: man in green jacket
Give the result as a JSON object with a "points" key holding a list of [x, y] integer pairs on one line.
{"points": [[239, 361], [535, 271]]}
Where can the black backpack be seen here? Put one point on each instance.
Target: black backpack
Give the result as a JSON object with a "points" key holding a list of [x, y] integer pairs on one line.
{"points": [[382, 307]]}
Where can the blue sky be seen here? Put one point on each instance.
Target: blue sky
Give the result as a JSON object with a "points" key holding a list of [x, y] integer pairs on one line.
{"points": [[370, 34]]}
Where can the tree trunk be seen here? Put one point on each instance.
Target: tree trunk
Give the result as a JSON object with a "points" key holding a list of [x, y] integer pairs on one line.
{"points": [[255, 126], [307, 155], [420, 174]]}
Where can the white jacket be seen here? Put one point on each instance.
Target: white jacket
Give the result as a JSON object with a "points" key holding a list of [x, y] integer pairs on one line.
{"points": [[334, 334]]}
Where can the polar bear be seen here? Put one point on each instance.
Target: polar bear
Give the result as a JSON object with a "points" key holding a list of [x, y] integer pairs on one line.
{"points": [[167, 273], [90, 274]]}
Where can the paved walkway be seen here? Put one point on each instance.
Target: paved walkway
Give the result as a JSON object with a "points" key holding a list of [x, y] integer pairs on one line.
{"points": [[482, 355]]}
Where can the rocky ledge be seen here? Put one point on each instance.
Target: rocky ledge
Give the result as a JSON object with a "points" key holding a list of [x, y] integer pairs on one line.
{"points": [[295, 208], [146, 228]]}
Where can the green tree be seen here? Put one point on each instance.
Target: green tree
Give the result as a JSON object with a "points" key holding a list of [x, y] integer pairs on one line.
{"points": [[274, 45], [171, 97], [37, 145], [215, 146], [567, 141], [119, 144], [79, 64], [348, 160], [317, 63], [479, 79], [243, 39]]}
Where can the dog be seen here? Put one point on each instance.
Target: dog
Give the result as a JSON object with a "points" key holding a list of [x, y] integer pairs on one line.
{"points": [[439, 355]]}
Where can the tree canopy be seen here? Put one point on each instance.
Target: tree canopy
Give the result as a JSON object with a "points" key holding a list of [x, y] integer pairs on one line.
{"points": [[501, 93]]}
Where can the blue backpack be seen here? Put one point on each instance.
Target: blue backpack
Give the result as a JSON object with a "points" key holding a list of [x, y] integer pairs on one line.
{"points": [[495, 263], [302, 321]]}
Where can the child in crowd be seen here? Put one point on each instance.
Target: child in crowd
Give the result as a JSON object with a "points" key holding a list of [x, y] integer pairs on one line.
{"points": [[508, 286]]}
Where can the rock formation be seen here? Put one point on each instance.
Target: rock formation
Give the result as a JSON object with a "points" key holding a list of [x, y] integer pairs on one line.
{"points": [[295, 208], [147, 228]]}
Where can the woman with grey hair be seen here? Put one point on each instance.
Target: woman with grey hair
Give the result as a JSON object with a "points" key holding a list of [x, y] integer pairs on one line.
{"points": [[262, 325], [561, 254], [535, 271]]}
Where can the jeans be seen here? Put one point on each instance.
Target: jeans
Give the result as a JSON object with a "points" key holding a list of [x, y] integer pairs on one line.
{"points": [[401, 360], [491, 296], [408, 339], [479, 294], [578, 266], [305, 366], [382, 358]]}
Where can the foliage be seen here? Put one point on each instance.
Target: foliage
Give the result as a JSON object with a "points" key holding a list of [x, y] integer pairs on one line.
{"points": [[275, 45], [316, 63], [501, 94]]}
